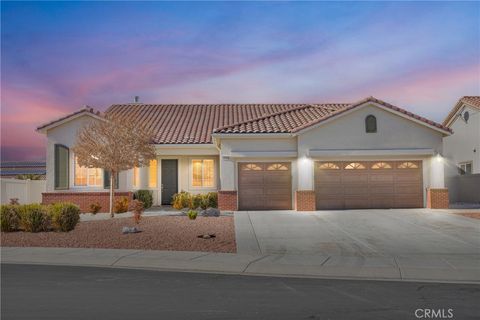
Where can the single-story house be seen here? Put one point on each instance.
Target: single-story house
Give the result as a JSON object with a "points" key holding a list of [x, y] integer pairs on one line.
{"points": [[462, 150], [367, 154]]}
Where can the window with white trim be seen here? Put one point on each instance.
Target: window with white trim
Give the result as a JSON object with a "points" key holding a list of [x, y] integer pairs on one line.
{"points": [[203, 173], [87, 177], [465, 168]]}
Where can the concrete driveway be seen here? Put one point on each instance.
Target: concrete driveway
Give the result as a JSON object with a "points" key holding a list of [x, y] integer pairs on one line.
{"points": [[361, 233]]}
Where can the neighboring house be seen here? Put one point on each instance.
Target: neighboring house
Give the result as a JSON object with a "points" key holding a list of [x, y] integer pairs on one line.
{"points": [[368, 154], [12, 169], [462, 149]]}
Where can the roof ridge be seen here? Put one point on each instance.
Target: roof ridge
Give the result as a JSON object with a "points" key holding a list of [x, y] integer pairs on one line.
{"points": [[261, 117]]}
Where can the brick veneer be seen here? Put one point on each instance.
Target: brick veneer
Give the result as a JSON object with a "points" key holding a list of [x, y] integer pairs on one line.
{"points": [[305, 200], [437, 198], [84, 199], [227, 200]]}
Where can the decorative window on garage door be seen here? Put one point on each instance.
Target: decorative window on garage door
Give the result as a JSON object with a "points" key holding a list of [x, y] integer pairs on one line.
{"points": [[251, 167], [407, 165], [381, 165], [277, 166], [328, 166], [354, 166]]}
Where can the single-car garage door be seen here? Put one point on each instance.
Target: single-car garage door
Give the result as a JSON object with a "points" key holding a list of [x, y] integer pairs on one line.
{"points": [[264, 186], [368, 184]]}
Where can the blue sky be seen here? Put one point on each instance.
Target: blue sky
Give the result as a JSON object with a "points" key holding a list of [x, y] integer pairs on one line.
{"points": [[58, 56]]}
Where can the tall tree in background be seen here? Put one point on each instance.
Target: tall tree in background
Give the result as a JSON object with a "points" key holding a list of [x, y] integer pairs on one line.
{"points": [[114, 145]]}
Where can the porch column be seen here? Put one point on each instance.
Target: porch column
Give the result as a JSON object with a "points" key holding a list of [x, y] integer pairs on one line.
{"points": [[305, 194], [437, 194], [227, 193], [143, 177]]}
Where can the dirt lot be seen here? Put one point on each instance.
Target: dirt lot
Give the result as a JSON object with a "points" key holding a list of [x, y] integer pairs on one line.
{"points": [[158, 233]]}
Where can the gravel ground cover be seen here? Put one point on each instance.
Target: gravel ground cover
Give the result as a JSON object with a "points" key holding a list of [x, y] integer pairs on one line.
{"points": [[157, 233], [475, 215]]}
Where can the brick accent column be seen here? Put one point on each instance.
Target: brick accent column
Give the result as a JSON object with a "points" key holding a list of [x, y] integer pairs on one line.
{"points": [[305, 200], [437, 198], [227, 200], [84, 199]]}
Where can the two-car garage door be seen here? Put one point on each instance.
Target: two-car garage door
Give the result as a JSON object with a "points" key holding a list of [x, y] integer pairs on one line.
{"points": [[368, 184]]}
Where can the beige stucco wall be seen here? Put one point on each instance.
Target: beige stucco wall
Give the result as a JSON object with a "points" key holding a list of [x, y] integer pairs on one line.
{"points": [[262, 146], [460, 146], [65, 134], [393, 132], [347, 132]]}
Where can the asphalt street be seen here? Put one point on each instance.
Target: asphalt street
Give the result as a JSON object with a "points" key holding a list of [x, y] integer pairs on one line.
{"points": [[57, 292]]}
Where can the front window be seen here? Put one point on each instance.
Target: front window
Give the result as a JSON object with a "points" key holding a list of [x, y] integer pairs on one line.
{"points": [[465, 168], [84, 176], [203, 173]]}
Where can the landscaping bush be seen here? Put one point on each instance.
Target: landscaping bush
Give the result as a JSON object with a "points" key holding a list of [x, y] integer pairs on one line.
{"points": [[121, 205], [181, 200], [193, 201], [192, 214], [14, 201], [9, 217], [65, 216], [95, 208], [212, 199], [137, 209], [144, 196], [34, 218]]}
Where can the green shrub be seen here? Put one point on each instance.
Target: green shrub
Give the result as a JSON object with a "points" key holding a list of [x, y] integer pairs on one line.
{"points": [[194, 201], [192, 214], [144, 196], [9, 217], [65, 216], [95, 208], [34, 218], [121, 205], [181, 200], [204, 201], [212, 199]]}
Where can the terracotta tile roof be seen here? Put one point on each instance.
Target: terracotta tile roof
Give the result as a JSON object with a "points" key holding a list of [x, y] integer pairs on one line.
{"points": [[192, 123], [472, 101], [284, 121], [85, 109], [295, 120]]}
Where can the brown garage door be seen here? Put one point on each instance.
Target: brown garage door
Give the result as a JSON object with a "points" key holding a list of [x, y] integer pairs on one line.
{"points": [[264, 186], [368, 184]]}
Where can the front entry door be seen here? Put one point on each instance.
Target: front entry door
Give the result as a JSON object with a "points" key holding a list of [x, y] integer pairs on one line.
{"points": [[169, 180]]}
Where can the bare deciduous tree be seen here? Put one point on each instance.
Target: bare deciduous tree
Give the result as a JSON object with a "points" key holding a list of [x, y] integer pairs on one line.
{"points": [[114, 145]]}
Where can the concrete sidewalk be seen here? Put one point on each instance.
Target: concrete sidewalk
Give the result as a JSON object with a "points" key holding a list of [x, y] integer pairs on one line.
{"points": [[405, 268]]}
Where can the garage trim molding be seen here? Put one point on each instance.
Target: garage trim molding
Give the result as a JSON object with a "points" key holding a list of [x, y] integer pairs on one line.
{"points": [[368, 152]]}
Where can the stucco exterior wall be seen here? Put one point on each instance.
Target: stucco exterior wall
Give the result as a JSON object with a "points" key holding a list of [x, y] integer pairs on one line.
{"points": [[460, 146], [65, 134], [262, 146], [348, 133]]}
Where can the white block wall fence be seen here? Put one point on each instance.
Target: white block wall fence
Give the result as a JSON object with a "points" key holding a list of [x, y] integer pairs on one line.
{"points": [[27, 191]]}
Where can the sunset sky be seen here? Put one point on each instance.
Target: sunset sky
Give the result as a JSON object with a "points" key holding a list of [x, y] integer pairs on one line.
{"points": [[57, 57]]}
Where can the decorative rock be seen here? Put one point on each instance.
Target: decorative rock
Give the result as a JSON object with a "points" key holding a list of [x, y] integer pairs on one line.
{"points": [[210, 212], [207, 236], [126, 230]]}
